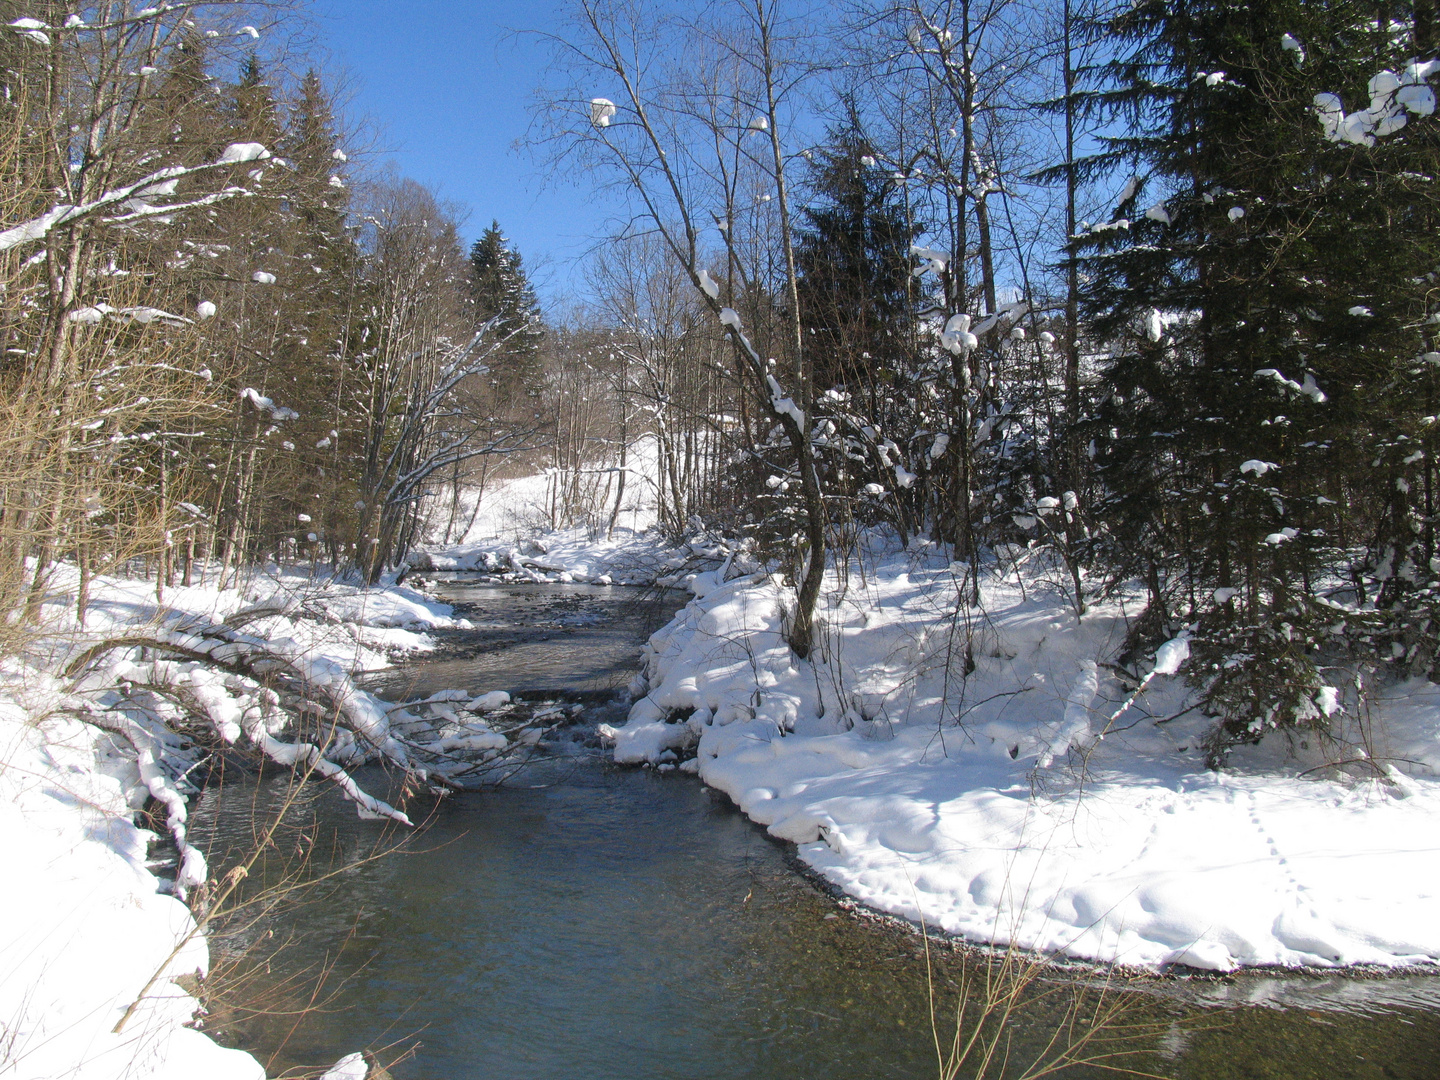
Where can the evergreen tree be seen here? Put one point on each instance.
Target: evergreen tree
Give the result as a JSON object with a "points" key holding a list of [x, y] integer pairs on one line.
{"points": [[853, 258], [858, 316], [502, 292], [1257, 287]]}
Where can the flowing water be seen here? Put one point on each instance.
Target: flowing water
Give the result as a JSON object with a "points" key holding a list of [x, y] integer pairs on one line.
{"points": [[594, 922]]}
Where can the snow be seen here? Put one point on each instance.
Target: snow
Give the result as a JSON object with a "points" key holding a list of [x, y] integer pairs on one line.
{"points": [[1419, 100], [1309, 388], [601, 111], [513, 513], [782, 403], [350, 1067], [1392, 99], [265, 404], [34, 229], [125, 201], [1037, 800], [32, 29], [84, 923], [627, 557], [931, 260], [263, 277], [237, 153], [205, 310], [708, 284], [488, 702], [956, 335], [1154, 325], [1171, 655]]}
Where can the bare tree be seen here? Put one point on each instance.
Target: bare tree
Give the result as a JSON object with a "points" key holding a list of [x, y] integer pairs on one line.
{"points": [[92, 175], [413, 362], [666, 370], [699, 141]]}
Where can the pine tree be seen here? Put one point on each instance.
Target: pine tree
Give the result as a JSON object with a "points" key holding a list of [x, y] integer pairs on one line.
{"points": [[502, 294]]}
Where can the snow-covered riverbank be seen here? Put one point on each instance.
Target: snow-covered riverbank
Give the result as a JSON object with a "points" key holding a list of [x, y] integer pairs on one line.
{"points": [[86, 925], [986, 803]]}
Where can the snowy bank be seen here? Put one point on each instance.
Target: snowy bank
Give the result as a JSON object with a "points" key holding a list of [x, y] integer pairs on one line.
{"points": [[982, 772], [509, 532], [86, 929], [83, 925]]}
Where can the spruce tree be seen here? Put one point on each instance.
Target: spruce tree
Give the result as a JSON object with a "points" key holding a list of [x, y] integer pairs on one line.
{"points": [[858, 314], [853, 258], [1257, 286], [504, 297]]}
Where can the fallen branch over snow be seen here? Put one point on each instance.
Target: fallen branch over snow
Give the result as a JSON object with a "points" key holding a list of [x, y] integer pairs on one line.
{"points": [[248, 690]]}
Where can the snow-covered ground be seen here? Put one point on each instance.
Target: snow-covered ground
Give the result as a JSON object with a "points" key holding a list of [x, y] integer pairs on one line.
{"points": [[1024, 801], [521, 506], [86, 927], [83, 925], [509, 534]]}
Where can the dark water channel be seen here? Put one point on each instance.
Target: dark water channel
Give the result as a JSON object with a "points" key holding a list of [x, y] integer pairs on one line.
{"points": [[587, 921]]}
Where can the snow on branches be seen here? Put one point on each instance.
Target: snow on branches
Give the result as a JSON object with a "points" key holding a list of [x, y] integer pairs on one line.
{"points": [[133, 202], [1392, 96]]}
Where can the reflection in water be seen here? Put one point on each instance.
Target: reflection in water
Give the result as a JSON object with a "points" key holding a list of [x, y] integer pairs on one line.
{"points": [[590, 921]]}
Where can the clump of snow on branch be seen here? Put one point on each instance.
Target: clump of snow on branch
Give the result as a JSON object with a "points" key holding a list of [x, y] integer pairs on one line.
{"points": [[1392, 96], [782, 403], [1308, 388], [131, 201], [265, 404], [602, 110]]}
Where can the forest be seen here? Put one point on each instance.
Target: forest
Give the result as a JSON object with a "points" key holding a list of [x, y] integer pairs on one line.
{"points": [[1136, 303]]}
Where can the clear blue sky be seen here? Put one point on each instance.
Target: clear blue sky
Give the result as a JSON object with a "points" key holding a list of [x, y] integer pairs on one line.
{"points": [[448, 86]]}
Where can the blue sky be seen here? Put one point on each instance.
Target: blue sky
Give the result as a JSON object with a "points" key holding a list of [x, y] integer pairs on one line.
{"points": [[448, 85]]}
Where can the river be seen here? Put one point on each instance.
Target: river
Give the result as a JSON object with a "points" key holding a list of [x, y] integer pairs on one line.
{"points": [[591, 921]]}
